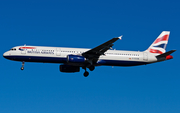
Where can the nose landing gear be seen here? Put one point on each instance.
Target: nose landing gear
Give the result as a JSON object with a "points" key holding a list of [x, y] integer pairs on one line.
{"points": [[22, 68]]}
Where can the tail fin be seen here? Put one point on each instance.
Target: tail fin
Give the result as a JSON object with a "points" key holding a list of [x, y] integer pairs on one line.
{"points": [[159, 45]]}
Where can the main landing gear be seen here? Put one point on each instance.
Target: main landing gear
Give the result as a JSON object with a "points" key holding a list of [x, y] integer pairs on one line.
{"points": [[91, 68], [22, 68], [86, 73]]}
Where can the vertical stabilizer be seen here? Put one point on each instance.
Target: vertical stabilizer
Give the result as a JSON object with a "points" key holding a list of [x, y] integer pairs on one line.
{"points": [[159, 45]]}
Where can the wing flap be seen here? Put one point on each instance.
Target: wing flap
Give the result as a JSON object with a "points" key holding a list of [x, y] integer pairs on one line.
{"points": [[99, 50], [94, 53]]}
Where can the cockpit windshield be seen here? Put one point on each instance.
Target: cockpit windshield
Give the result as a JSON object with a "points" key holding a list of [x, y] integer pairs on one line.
{"points": [[13, 49]]}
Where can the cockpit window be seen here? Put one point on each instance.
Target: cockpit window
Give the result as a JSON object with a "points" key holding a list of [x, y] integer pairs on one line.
{"points": [[13, 49]]}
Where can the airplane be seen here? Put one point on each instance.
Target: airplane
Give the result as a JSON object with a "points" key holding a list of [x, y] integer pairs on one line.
{"points": [[71, 59]]}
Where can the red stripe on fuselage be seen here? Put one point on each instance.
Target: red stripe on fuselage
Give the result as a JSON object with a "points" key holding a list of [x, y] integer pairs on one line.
{"points": [[27, 48]]}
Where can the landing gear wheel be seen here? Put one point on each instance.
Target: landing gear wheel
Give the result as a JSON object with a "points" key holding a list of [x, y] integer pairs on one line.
{"points": [[22, 68], [86, 74], [91, 68]]}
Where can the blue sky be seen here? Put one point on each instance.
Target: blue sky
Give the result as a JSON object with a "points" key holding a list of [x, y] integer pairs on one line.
{"points": [[87, 24]]}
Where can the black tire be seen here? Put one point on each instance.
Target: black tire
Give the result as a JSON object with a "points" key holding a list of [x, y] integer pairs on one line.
{"points": [[91, 68], [86, 74]]}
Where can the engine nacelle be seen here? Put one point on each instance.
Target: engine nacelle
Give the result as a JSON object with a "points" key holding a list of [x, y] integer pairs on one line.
{"points": [[75, 59], [69, 69]]}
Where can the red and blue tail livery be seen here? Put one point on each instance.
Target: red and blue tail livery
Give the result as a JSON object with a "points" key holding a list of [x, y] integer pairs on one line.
{"points": [[159, 45], [72, 59]]}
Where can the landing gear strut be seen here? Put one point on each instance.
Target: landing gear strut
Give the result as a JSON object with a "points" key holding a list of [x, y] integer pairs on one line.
{"points": [[86, 73], [22, 68]]}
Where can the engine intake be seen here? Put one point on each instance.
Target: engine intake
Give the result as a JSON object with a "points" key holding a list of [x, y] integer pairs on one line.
{"points": [[75, 59]]}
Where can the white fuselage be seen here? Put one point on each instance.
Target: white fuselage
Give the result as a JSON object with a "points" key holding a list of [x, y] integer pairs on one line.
{"points": [[59, 55], [72, 59]]}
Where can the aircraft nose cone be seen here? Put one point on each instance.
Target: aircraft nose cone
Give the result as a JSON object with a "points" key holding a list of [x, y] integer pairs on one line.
{"points": [[5, 55]]}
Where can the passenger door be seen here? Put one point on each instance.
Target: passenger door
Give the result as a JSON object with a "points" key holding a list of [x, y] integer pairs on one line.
{"points": [[23, 49], [145, 56], [58, 51]]}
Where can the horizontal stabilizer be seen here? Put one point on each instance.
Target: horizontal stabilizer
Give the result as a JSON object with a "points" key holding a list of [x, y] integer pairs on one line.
{"points": [[166, 54]]}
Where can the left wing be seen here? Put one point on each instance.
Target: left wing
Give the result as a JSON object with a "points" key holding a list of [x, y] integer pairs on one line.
{"points": [[94, 53]]}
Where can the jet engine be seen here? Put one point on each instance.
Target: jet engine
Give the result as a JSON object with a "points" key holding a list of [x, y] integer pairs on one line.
{"points": [[69, 69], [75, 59]]}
